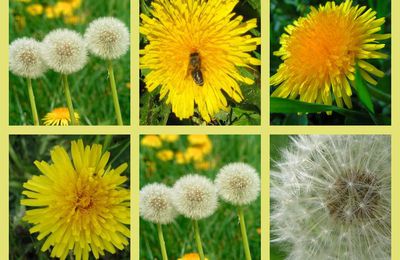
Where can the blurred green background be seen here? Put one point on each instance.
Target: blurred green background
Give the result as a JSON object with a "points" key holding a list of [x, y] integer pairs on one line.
{"points": [[90, 89], [248, 112], [285, 12], [24, 150], [277, 143], [204, 155]]}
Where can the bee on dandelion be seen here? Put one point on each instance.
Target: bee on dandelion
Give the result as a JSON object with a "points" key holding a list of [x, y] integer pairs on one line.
{"points": [[195, 56]]}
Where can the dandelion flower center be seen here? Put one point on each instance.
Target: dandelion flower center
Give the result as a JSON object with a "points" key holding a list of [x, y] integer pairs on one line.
{"points": [[195, 194], [28, 57], [320, 53], [354, 196], [65, 49], [108, 37]]}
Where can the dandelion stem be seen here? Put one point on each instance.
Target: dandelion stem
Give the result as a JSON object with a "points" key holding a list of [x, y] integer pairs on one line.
{"points": [[114, 93], [162, 242], [69, 99], [198, 239], [33, 103], [244, 234]]}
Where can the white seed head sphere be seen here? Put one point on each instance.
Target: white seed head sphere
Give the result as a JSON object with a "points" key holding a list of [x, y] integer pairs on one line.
{"points": [[238, 183], [64, 51], [107, 38], [195, 196], [25, 58], [155, 204], [332, 200]]}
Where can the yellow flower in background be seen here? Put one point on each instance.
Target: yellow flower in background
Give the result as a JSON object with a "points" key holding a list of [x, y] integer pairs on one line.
{"points": [[194, 54], [201, 141], [35, 9], [169, 138], [320, 53], [191, 256], [78, 206], [74, 19], [193, 154], [204, 165], [180, 158], [59, 117], [165, 155], [65, 9], [153, 141], [74, 3]]}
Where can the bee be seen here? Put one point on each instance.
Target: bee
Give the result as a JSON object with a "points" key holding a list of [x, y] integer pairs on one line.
{"points": [[195, 68]]}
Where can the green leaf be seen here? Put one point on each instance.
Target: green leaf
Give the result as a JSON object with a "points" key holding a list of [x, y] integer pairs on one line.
{"points": [[363, 92], [290, 106]]}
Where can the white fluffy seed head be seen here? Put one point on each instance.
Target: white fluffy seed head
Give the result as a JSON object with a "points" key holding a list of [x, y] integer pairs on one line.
{"points": [[64, 51], [155, 204], [331, 197], [107, 38], [195, 196], [25, 58], [238, 183]]}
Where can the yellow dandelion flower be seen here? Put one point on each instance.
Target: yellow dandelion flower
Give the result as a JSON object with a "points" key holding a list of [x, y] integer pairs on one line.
{"points": [[320, 53], [194, 154], [169, 138], [35, 9], [203, 165], [191, 256], [78, 206], [74, 19], [201, 141], [165, 155], [59, 116], [153, 141], [180, 158], [195, 49]]}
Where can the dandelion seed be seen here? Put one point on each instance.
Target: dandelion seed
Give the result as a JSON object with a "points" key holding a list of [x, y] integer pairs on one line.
{"points": [[195, 49], [59, 116], [320, 53], [334, 202], [107, 38], [79, 206]]}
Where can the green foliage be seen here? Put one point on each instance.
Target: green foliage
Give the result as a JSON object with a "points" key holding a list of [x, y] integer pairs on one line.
{"points": [[154, 111], [371, 103], [90, 88], [220, 233], [24, 150]]}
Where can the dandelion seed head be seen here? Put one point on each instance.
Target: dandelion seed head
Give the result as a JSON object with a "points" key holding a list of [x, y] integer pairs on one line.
{"points": [[107, 38], [64, 51], [238, 183], [25, 59], [195, 196], [321, 50], [323, 204], [156, 204]]}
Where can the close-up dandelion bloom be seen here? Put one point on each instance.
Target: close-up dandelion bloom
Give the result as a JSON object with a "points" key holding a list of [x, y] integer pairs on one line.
{"points": [[321, 51], [156, 204], [238, 183], [25, 58], [64, 51], [78, 207], [193, 54], [195, 196], [58, 117], [107, 38], [331, 197]]}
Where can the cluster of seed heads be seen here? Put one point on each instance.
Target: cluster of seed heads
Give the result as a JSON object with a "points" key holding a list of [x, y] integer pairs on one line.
{"points": [[196, 197], [65, 51], [331, 197]]}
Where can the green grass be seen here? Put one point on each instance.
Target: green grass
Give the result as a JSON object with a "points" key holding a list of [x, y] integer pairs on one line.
{"points": [[90, 88], [154, 111], [24, 150], [220, 233], [372, 103]]}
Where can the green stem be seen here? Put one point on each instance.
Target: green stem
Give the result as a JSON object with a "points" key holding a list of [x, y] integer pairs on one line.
{"points": [[162, 242], [244, 234], [198, 239], [69, 100], [33, 103], [114, 93]]}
